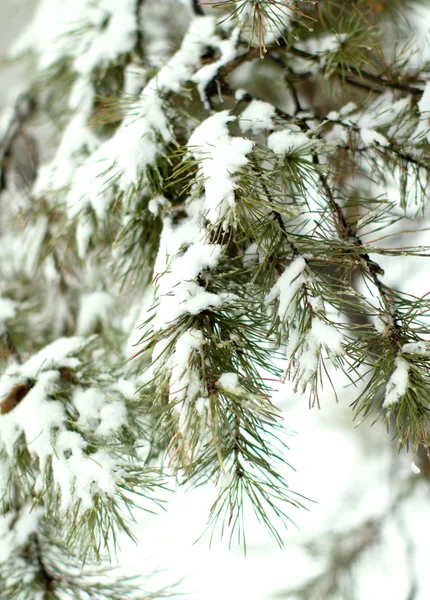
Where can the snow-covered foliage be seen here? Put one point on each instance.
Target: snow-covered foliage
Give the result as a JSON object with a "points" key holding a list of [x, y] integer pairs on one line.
{"points": [[71, 432], [205, 210]]}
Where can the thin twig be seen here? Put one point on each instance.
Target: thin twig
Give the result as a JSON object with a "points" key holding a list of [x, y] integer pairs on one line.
{"points": [[365, 77], [345, 230]]}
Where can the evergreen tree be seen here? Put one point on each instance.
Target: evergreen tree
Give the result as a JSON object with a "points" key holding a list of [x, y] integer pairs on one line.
{"points": [[196, 203]]}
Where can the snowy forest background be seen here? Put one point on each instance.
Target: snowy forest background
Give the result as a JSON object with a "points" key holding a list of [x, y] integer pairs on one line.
{"points": [[365, 537]]}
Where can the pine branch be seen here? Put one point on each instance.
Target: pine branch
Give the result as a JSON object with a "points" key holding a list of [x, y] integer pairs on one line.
{"points": [[348, 234], [42, 567], [242, 215], [365, 78]]}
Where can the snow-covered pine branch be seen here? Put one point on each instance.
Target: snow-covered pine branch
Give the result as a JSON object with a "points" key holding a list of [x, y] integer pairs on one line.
{"points": [[212, 209]]}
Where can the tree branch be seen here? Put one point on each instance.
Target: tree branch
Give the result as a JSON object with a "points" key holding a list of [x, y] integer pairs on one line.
{"points": [[23, 108], [345, 231], [365, 78]]}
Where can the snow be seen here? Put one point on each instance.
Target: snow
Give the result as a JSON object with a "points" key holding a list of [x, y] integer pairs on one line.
{"points": [[337, 135], [288, 141], [287, 287], [179, 69], [370, 136], [202, 406], [184, 255], [174, 238], [421, 348], [88, 33], [79, 476], [94, 309], [15, 530], [424, 108], [177, 291], [30, 246], [328, 336], [385, 110], [84, 233], [34, 416], [145, 127], [125, 387], [261, 575], [397, 384], [415, 469], [220, 156], [8, 310], [239, 94], [76, 140], [348, 108], [188, 342], [155, 205], [113, 416], [330, 43], [320, 335], [7, 117], [98, 413], [200, 301], [143, 133], [324, 45], [53, 356], [116, 38], [229, 382], [135, 77], [342, 112], [418, 15], [134, 145], [228, 51], [185, 383], [80, 100], [257, 116], [43, 421], [382, 324], [250, 255]]}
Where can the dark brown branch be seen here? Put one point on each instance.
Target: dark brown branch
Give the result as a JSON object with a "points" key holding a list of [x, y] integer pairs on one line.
{"points": [[345, 230], [139, 34], [407, 156], [357, 77], [365, 78], [47, 581], [347, 233], [198, 10], [24, 106], [15, 396]]}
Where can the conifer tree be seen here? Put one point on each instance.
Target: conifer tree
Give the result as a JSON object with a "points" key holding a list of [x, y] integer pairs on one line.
{"points": [[196, 202]]}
